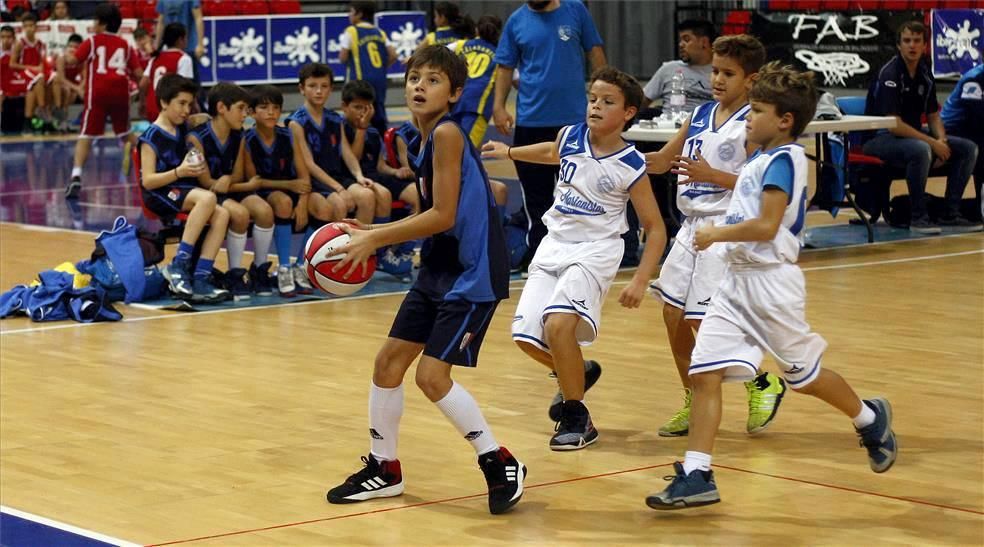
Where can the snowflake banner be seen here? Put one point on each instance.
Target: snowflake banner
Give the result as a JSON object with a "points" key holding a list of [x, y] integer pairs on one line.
{"points": [[405, 30], [254, 50], [956, 41], [296, 42]]}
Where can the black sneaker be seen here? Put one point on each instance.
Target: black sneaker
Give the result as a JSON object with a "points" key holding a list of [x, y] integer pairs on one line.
{"points": [[960, 224], [693, 490], [259, 277], [375, 480], [505, 475], [74, 188], [878, 437], [574, 431], [235, 282], [592, 371], [924, 226]]}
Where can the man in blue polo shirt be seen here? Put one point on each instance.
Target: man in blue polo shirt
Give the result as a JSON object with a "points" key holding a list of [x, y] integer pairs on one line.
{"points": [[963, 114], [905, 88], [547, 41]]}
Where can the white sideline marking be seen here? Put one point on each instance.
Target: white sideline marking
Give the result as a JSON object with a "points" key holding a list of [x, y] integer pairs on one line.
{"points": [[66, 527], [513, 285]]}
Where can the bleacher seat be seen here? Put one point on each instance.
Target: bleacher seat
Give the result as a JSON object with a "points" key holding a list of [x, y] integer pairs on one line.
{"points": [[218, 8], [389, 144], [253, 7], [128, 9], [285, 7]]}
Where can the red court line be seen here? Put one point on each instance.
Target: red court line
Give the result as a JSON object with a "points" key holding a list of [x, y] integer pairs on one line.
{"points": [[854, 490], [577, 479], [411, 506]]}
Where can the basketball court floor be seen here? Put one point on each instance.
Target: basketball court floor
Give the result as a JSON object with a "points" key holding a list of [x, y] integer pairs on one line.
{"points": [[227, 426]]}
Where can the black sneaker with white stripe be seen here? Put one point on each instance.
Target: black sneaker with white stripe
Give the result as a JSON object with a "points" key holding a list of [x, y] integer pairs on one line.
{"points": [[375, 480], [505, 475]]}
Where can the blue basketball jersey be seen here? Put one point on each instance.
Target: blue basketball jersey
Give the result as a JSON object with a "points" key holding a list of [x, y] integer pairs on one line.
{"points": [[372, 149], [367, 59], [324, 139], [443, 36], [477, 94], [470, 261], [411, 137], [221, 157], [276, 161], [170, 150]]}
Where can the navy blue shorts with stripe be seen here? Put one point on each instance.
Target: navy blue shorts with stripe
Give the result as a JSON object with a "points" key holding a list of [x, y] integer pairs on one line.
{"points": [[451, 330], [165, 202]]}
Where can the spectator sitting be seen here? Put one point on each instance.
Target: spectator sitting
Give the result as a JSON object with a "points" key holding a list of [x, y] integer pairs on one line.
{"points": [[905, 88], [695, 37], [962, 114], [59, 11]]}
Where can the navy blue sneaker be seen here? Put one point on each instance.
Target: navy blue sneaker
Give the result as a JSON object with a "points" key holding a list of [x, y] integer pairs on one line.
{"points": [[592, 371], [693, 490], [878, 437], [235, 282], [259, 278], [206, 292], [575, 430]]}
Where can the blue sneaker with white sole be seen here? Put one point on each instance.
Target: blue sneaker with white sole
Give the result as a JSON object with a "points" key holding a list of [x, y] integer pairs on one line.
{"points": [[686, 490], [878, 437]]}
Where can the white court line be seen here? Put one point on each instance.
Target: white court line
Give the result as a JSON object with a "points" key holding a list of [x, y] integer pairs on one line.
{"points": [[67, 527], [513, 285]]}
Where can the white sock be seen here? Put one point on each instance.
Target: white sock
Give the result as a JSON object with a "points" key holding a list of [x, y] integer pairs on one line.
{"points": [[696, 460], [462, 410], [235, 246], [262, 240], [385, 410], [76, 172], [866, 417]]}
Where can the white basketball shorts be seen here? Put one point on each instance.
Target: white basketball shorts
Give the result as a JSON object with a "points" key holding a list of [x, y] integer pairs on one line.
{"points": [[759, 309], [566, 277], [689, 278]]}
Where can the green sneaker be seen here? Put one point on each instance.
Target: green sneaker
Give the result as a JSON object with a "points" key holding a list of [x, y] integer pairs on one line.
{"points": [[764, 396], [679, 424]]}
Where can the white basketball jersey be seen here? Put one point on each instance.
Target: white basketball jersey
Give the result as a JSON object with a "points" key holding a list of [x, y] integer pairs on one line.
{"points": [[786, 167], [591, 192], [723, 148]]}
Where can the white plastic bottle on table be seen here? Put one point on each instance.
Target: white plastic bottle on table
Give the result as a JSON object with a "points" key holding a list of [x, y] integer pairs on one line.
{"points": [[678, 97]]}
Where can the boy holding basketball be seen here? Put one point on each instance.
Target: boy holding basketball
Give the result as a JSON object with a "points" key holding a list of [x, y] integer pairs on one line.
{"points": [[463, 276], [760, 304]]}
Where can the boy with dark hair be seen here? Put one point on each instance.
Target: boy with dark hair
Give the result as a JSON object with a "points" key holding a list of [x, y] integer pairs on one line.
{"points": [[170, 186], [65, 84], [714, 147], [576, 263], [367, 54], [905, 88], [220, 140], [326, 154], [474, 110], [29, 56], [274, 162], [463, 276], [367, 145], [108, 57], [760, 305]]}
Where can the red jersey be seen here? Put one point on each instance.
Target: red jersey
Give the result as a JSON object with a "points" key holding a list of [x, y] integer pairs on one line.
{"points": [[169, 61], [32, 54], [144, 58], [108, 61], [12, 82]]}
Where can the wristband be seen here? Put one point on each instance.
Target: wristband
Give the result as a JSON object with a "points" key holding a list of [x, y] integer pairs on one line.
{"points": [[509, 152]]}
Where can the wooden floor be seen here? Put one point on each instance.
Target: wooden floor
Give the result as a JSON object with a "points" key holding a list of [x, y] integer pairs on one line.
{"points": [[227, 428]]}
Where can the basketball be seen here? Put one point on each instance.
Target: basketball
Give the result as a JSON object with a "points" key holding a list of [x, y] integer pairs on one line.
{"points": [[321, 257]]}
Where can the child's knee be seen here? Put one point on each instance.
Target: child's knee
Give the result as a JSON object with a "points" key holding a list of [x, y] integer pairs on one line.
{"points": [[262, 214], [558, 326], [433, 384], [238, 216], [202, 199], [671, 315], [707, 381]]}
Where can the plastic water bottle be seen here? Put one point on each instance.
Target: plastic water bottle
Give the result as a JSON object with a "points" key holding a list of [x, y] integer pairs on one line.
{"points": [[194, 157], [678, 97]]}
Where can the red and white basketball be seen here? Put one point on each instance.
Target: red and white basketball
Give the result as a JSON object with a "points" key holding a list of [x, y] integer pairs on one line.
{"points": [[321, 256]]}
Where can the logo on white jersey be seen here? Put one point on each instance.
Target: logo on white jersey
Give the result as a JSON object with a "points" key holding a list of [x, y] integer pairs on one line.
{"points": [[606, 184], [697, 123], [299, 47], [573, 204], [726, 151], [571, 145]]}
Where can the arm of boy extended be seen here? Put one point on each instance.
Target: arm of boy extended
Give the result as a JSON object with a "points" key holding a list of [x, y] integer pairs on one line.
{"points": [[542, 152], [641, 194]]}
